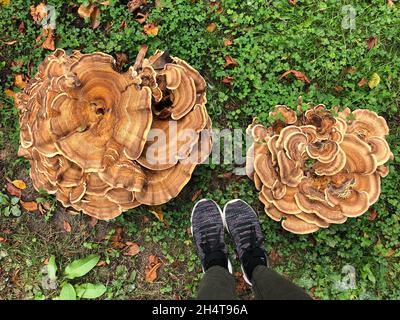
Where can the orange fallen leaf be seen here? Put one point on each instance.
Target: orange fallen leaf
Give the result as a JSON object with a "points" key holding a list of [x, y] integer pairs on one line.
{"points": [[350, 70], [391, 252], [9, 93], [297, 74], [371, 42], [151, 29], [215, 5], [19, 81], [46, 261], [93, 221], [151, 268], [13, 190], [273, 256], [241, 285], [211, 27], [157, 211], [362, 82], [19, 184], [67, 226], [292, 2], [227, 42], [229, 61], [95, 18], [9, 43], [196, 195], [131, 249], [30, 206], [339, 88], [372, 215], [390, 3], [3, 240], [117, 236], [101, 263], [228, 80], [85, 11]]}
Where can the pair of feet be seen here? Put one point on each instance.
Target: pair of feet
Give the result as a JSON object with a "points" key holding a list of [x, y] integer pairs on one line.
{"points": [[241, 221]]}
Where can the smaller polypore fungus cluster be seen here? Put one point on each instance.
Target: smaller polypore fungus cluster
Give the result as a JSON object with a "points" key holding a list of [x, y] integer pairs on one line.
{"points": [[85, 129], [317, 169]]}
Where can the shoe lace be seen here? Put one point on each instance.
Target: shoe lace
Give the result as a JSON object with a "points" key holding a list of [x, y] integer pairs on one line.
{"points": [[251, 243], [210, 241]]}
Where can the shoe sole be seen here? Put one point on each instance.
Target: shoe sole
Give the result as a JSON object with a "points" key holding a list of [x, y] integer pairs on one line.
{"points": [[230, 268], [227, 229]]}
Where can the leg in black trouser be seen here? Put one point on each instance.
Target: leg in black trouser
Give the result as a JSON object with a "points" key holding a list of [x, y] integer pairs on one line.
{"points": [[219, 284]]}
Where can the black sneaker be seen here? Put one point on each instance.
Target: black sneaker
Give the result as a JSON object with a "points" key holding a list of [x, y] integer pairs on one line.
{"points": [[208, 234], [242, 223]]}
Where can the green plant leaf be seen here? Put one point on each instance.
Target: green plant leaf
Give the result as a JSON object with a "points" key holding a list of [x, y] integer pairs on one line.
{"points": [[6, 211], [52, 268], [79, 268], [67, 292], [14, 200], [374, 80], [15, 211], [90, 291]]}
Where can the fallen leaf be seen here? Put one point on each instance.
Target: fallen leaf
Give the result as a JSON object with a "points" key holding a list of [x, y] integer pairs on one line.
{"points": [[362, 82], [117, 236], [49, 42], [196, 195], [227, 175], [292, 2], [9, 43], [7, 231], [215, 5], [372, 215], [229, 61], [93, 221], [46, 261], [30, 206], [241, 285], [211, 27], [21, 27], [95, 18], [9, 93], [227, 42], [86, 11], [273, 256], [350, 70], [151, 269], [19, 184], [297, 74], [371, 42], [101, 263], [151, 29], [19, 81], [157, 211], [38, 12], [3, 240], [67, 226], [390, 3], [339, 88], [228, 80], [122, 25], [13, 190], [133, 5], [391, 252], [121, 59], [145, 219], [374, 80], [131, 249], [141, 17]]}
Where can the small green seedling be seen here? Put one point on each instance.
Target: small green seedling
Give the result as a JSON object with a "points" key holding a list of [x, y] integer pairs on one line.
{"points": [[9, 206]]}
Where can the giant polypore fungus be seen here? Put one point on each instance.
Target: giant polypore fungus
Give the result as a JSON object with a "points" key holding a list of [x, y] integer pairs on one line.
{"points": [[104, 141], [314, 169]]}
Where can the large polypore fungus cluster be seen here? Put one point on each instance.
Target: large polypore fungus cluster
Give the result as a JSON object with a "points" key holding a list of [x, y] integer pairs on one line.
{"points": [[316, 169], [85, 129]]}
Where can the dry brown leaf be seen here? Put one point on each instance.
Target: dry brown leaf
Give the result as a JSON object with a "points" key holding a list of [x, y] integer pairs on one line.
{"points": [[38, 12], [9, 43], [19, 184], [211, 27], [122, 25], [273, 256], [145, 219], [227, 42], [133, 5], [85, 12], [196, 195], [362, 82], [117, 236], [9, 93], [49, 43], [229, 61], [151, 269], [30, 206], [297, 74], [101, 263], [371, 42], [141, 17], [151, 29], [67, 226], [391, 252], [372, 215], [94, 18], [215, 5], [131, 249], [157, 211], [21, 27], [350, 70], [241, 285], [292, 2], [3, 240], [13, 190], [228, 80], [46, 261], [121, 59], [93, 221], [19, 81], [390, 3], [339, 88]]}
